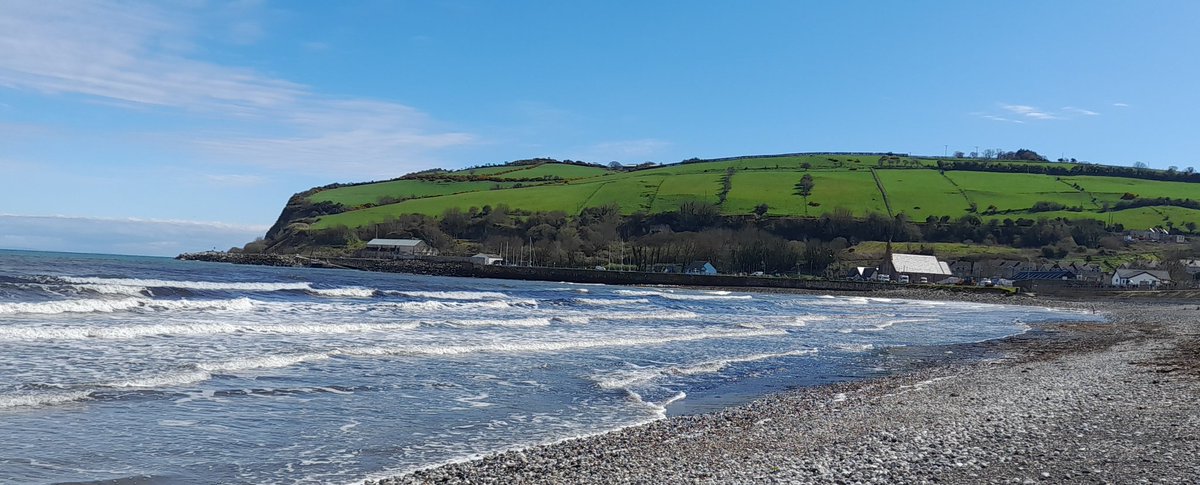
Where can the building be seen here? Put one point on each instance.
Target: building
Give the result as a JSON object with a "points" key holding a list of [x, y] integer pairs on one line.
{"points": [[700, 267], [399, 248], [915, 266], [1143, 278], [1192, 266], [1057, 274], [487, 259], [862, 273]]}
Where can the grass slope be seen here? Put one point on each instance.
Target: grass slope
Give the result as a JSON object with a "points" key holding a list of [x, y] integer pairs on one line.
{"points": [[918, 190]]}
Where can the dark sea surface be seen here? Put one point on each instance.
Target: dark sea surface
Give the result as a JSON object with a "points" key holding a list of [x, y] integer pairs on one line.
{"points": [[115, 367]]}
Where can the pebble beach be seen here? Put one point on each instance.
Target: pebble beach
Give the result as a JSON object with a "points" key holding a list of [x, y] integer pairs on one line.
{"points": [[1115, 402]]}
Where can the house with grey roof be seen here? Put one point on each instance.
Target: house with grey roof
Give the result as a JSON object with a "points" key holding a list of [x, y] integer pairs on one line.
{"points": [[1144, 278], [384, 248]]}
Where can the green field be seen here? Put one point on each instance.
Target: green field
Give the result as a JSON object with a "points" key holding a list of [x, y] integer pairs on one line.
{"points": [[400, 189], [1017, 191], [922, 193], [839, 182], [555, 170]]}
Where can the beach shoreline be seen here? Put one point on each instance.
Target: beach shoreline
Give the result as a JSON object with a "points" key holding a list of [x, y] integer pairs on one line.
{"points": [[1064, 402]]}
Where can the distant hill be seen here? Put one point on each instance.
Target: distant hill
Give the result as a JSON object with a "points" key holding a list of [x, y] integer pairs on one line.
{"points": [[892, 184]]}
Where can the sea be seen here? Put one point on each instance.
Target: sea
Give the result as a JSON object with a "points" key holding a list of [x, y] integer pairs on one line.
{"points": [[122, 369]]}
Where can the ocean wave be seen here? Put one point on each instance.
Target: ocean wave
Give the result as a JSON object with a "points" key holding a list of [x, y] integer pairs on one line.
{"points": [[655, 315], [625, 379], [122, 332], [710, 295], [433, 305], [164, 380], [501, 322], [125, 304], [191, 285], [611, 301], [349, 291], [41, 398], [530, 347], [264, 362], [452, 295]]}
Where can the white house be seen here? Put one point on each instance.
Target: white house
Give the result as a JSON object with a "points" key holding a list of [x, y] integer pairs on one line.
{"points": [[1140, 277], [700, 267], [915, 266], [487, 259], [400, 247]]}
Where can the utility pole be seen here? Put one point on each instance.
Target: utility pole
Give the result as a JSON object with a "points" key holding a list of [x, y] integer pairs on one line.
{"points": [[945, 150]]}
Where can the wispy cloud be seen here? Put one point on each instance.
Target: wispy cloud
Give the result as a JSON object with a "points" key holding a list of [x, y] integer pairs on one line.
{"points": [[1121, 105], [1028, 111], [1080, 111], [1019, 113], [142, 56]]}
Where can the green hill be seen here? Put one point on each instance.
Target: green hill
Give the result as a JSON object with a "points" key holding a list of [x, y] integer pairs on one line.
{"points": [[860, 183]]}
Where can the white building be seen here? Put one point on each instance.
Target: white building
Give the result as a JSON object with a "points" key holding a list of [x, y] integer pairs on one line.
{"points": [[915, 266], [487, 259], [1140, 277], [400, 247]]}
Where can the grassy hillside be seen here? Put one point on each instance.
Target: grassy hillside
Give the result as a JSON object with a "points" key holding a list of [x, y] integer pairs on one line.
{"points": [[911, 186]]}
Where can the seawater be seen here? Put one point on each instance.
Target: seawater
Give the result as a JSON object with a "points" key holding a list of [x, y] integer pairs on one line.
{"points": [[114, 367]]}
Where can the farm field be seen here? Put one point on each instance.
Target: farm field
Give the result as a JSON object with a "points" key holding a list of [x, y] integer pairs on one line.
{"points": [[562, 171], [839, 181], [678, 189], [1017, 191], [922, 193], [400, 189]]}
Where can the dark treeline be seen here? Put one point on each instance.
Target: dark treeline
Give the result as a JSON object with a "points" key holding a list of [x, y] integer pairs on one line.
{"points": [[602, 236], [1064, 169]]}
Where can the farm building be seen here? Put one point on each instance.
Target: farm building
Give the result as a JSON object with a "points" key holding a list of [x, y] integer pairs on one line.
{"points": [[487, 259], [399, 248], [1141, 278], [700, 267], [915, 266]]}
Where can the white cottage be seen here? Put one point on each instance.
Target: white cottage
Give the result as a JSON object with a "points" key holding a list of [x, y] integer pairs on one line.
{"points": [[1141, 278]]}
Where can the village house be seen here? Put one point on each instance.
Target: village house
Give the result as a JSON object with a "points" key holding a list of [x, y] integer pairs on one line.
{"points": [[486, 259], [399, 248], [700, 267], [915, 267], [1192, 266], [1145, 278]]}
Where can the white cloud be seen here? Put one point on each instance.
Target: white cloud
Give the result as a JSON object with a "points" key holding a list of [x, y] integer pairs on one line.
{"points": [[1028, 111], [1080, 111], [153, 237], [1120, 105], [998, 118], [140, 56]]}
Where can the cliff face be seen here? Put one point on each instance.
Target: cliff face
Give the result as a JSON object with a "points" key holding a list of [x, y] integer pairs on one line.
{"points": [[297, 213]]}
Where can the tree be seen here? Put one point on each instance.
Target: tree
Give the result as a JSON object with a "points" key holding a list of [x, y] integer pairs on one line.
{"points": [[1139, 165], [959, 154], [760, 210], [804, 189]]}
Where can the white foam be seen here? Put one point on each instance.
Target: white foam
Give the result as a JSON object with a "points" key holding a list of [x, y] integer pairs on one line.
{"points": [[41, 398], [115, 289], [638, 292], [264, 362], [855, 347], [656, 315], [685, 296], [454, 295], [501, 322], [165, 380], [611, 301], [625, 379], [439, 306], [118, 332], [193, 285], [109, 306], [347, 292], [530, 347]]}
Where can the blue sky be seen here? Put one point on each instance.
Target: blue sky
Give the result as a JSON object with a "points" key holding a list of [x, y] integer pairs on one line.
{"points": [[185, 125]]}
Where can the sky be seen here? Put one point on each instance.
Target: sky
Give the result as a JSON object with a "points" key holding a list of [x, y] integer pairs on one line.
{"points": [[181, 125]]}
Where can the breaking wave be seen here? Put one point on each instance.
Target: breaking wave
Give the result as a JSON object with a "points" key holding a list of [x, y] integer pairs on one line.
{"points": [[625, 379], [120, 332], [109, 306]]}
